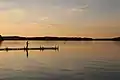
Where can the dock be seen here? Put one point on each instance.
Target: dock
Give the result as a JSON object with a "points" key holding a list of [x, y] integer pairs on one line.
{"points": [[26, 48]]}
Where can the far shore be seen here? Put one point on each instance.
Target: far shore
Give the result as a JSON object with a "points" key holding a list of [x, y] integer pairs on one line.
{"points": [[4, 38]]}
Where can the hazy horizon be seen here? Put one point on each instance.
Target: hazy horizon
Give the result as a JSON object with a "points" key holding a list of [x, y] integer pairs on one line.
{"points": [[84, 18]]}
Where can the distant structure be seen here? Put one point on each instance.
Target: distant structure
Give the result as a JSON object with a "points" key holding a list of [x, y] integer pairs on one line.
{"points": [[1, 38]]}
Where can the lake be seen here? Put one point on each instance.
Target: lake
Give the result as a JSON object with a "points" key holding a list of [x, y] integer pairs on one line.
{"points": [[81, 60]]}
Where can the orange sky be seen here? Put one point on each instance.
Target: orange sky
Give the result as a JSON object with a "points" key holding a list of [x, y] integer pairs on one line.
{"points": [[95, 18]]}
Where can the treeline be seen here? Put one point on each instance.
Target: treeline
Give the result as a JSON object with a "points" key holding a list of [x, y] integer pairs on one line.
{"points": [[45, 38], [58, 38]]}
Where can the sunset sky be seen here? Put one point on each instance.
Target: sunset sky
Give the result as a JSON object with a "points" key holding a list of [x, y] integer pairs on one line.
{"points": [[86, 18]]}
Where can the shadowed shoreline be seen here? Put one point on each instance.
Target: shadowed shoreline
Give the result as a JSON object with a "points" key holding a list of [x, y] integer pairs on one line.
{"points": [[3, 38]]}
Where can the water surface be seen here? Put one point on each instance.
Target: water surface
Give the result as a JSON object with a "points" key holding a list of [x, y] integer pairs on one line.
{"points": [[74, 61]]}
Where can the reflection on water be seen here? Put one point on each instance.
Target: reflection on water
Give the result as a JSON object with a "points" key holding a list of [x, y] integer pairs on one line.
{"points": [[117, 43], [1, 43], [74, 61], [27, 53]]}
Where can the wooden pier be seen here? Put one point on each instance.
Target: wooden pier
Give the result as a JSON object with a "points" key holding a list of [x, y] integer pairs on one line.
{"points": [[41, 48], [25, 48]]}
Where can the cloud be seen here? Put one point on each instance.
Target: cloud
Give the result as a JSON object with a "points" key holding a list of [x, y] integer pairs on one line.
{"points": [[84, 7], [54, 25], [79, 9], [10, 12], [15, 15], [44, 18], [76, 10], [6, 5]]}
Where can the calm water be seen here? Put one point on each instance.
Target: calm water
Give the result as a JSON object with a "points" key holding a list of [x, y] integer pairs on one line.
{"points": [[74, 61]]}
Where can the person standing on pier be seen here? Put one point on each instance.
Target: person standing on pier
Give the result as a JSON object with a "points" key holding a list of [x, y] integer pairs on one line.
{"points": [[27, 45]]}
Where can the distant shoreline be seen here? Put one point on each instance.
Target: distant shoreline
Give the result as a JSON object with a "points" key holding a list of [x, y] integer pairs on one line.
{"points": [[4, 38]]}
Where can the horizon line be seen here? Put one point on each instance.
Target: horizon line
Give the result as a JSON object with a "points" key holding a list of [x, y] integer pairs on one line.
{"points": [[58, 36]]}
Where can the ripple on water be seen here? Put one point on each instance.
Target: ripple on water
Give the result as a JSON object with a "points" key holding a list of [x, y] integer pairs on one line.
{"points": [[102, 70], [66, 70]]}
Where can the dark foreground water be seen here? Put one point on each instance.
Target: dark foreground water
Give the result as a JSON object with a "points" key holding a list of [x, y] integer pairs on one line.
{"points": [[74, 61]]}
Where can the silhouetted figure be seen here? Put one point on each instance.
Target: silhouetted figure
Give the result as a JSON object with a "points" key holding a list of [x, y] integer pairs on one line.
{"points": [[27, 45]]}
